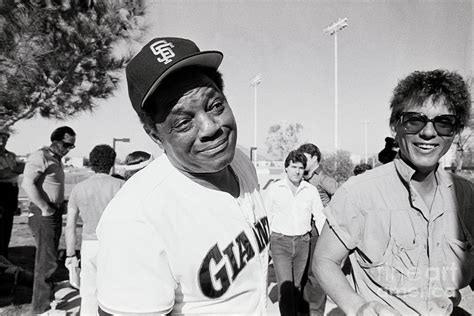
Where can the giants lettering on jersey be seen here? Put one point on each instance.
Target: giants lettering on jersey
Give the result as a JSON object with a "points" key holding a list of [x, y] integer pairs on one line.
{"points": [[214, 276]]}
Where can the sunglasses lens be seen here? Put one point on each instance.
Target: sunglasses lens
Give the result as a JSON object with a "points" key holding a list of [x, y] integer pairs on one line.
{"points": [[445, 125], [414, 123], [68, 145]]}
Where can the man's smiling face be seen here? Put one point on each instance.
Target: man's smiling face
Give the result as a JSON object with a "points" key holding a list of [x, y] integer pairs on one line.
{"points": [[197, 129]]}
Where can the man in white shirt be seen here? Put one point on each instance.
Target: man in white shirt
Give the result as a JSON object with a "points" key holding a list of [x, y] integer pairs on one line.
{"points": [[290, 202], [188, 234]]}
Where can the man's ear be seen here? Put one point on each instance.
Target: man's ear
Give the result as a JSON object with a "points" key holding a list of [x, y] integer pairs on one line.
{"points": [[153, 133], [393, 130]]}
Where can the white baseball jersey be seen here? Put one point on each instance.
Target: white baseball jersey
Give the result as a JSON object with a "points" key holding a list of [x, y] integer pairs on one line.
{"points": [[168, 244]]}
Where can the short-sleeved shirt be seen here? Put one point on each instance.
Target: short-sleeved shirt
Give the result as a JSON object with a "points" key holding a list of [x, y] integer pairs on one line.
{"points": [[290, 214], [168, 244], [90, 197], [326, 185], [406, 255], [46, 170]]}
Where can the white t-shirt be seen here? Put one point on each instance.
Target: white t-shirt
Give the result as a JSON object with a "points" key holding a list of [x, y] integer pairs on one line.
{"points": [[168, 244], [291, 214]]}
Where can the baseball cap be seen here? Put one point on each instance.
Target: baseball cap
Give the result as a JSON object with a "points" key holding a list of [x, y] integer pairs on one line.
{"points": [[159, 58]]}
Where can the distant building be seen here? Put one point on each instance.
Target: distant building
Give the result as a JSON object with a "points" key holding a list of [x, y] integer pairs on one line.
{"points": [[75, 162]]}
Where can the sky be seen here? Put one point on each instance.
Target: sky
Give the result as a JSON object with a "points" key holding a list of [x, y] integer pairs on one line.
{"points": [[285, 43]]}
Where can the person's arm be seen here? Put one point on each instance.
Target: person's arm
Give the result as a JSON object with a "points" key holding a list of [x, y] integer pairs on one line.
{"points": [[7, 173], [70, 231], [132, 279], [10, 168], [34, 195], [329, 185], [19, 167], [327, 259], [30, 177], [317, 211], [268, 202]]}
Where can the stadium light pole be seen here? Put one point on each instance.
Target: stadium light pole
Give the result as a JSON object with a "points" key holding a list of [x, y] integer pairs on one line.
{"points": [[114, 140], [365, 122], [255, 82], [333, 29]]}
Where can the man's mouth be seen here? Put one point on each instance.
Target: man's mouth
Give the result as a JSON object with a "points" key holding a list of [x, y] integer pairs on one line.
{"points": [[425, 146], [217, 146]]}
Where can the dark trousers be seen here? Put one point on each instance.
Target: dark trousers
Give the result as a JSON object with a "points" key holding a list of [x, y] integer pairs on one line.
{"points": [[313, 293], [290, 256], [47, 231], [8, 206]]}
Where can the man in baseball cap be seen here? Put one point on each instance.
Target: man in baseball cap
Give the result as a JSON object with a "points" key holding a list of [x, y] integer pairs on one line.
{"points": [[187, 234]]}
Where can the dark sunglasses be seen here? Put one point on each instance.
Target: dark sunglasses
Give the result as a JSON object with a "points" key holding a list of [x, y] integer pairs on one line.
{"points": [[68, 145], [444, 125]]}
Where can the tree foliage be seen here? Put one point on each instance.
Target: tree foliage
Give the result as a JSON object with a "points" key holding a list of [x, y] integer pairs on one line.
{"points": [[59, 56], [339, 166], [282, 138], [464, 141]]}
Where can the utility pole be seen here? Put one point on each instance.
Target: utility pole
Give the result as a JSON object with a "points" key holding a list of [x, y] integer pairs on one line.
{"points": [[255, 82], [333, 29]]}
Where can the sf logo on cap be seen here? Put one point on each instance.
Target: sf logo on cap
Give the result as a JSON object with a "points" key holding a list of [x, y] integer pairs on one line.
{"points": [[163, 50]]}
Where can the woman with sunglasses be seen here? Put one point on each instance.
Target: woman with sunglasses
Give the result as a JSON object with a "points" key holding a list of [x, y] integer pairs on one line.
{"points": [[406, 226]]}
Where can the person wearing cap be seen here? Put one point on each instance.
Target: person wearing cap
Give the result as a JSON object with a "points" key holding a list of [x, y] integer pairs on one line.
{"points": [[136, 161], [188, 234], [408, 225], [88, 200], [43, 182], [10, 168]]}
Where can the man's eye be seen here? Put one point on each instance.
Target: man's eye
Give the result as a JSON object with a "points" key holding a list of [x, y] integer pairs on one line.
{"points": [[182, 124], [217, 106]]}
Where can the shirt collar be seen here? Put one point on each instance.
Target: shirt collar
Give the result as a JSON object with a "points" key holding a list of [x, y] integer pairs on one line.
{"points": [[406, 172], [313, 172], [284, 183], [48, 150]]}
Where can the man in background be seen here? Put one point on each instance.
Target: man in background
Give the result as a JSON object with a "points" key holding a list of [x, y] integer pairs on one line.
{"points": [[315, 175], [361, 168], [43, 182], [290, 203], [136, 161], [89, 199], [10, 168], [327, 186]]}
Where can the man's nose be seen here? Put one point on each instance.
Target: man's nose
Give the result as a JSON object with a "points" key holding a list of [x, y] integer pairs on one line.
{"points": [[208, 127], [428, 131]]}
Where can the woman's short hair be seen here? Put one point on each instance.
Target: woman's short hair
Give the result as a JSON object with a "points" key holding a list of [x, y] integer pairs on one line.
{"points": [[437, 85]]}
